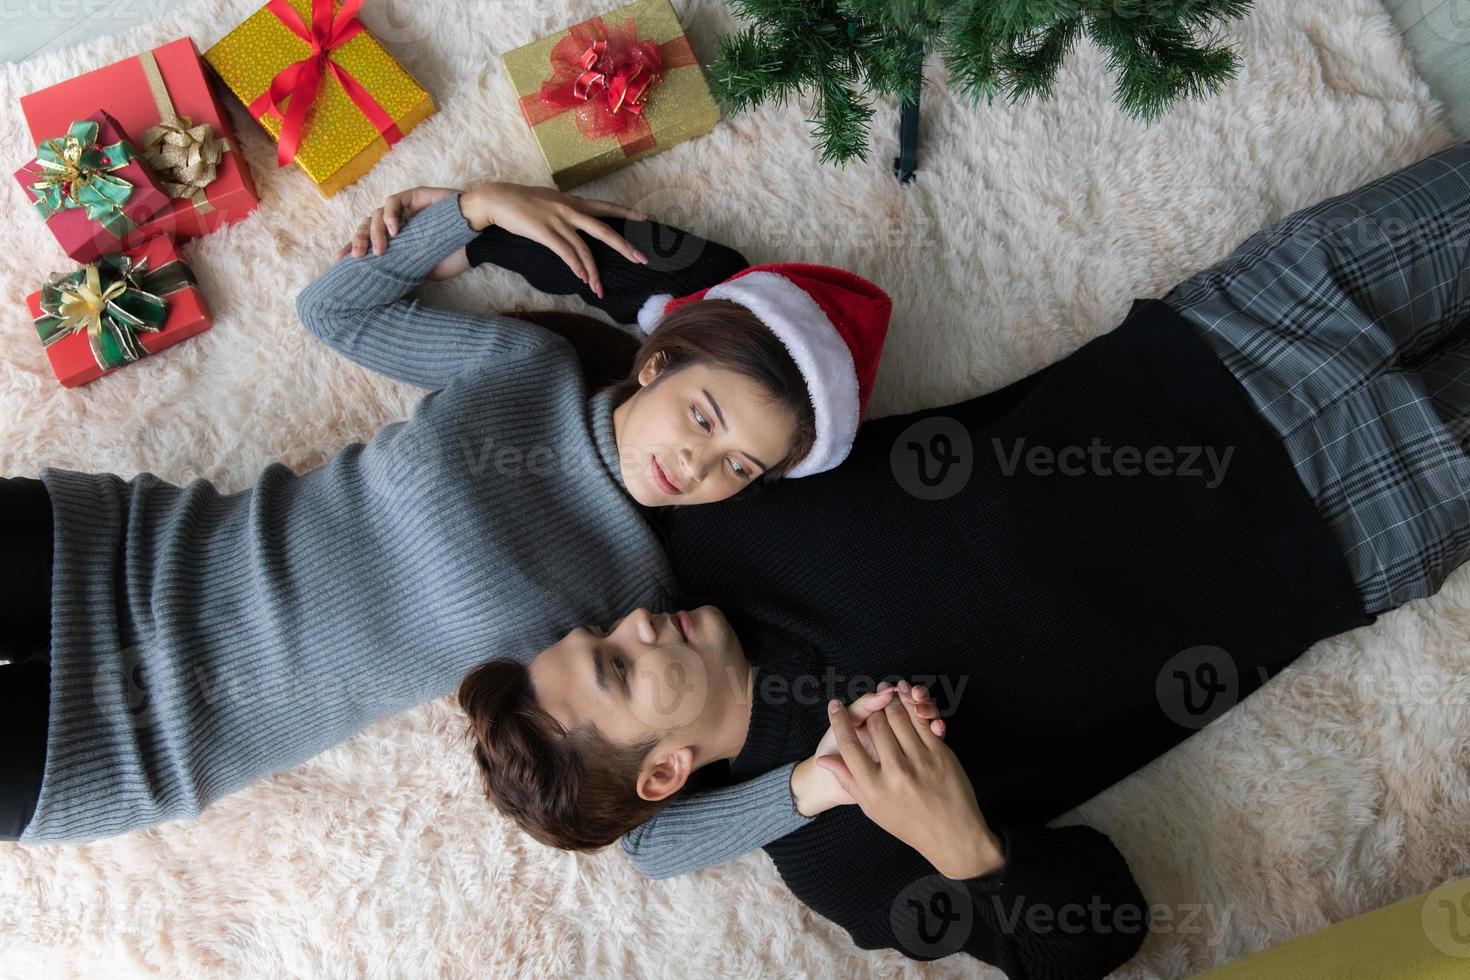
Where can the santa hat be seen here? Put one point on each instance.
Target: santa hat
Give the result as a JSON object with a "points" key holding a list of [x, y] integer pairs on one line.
{"points": [[832, 323]]}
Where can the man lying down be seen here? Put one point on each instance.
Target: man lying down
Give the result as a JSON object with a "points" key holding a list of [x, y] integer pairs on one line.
{"points": [[1070, 626], [1037, 610]]}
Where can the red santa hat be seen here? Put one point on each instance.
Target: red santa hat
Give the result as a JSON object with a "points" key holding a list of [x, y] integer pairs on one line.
{"points": [[832, 323]]}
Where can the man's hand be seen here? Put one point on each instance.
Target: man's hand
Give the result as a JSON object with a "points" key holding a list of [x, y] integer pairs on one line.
{"points": [[816, 790], [915, 789]]}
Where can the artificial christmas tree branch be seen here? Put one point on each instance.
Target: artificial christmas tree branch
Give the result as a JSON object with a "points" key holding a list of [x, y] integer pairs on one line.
{"points": [[838, 53]]}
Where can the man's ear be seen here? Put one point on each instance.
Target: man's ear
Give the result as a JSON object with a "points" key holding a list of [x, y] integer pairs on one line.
{"points": [[651, 369], [660, 779]]}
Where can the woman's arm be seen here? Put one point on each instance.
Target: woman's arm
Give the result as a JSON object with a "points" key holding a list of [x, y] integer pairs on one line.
{"points": [[709, 828], [362, 307]]}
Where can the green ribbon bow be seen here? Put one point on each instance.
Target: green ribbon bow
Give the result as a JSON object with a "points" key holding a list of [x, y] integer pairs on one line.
{"points": [[113, 300], [77, 173]]}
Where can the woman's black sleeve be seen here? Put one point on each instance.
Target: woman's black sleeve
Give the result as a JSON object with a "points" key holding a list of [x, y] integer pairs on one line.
{"points": [[679, 263]]}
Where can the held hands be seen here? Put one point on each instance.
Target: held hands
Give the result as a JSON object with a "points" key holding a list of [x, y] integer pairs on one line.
{"points": [[814, 789], [541, 214], [914, 787]]}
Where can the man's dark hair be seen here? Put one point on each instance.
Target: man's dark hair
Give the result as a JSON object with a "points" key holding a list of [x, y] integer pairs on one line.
{"points": [[576, 791]]}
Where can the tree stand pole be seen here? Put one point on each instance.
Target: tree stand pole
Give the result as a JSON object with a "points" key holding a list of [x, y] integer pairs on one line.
{"points": [[906, 164]]}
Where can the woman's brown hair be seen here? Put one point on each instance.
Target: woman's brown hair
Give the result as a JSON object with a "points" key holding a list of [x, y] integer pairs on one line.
{"points": [[714, 332], [540, 776]]}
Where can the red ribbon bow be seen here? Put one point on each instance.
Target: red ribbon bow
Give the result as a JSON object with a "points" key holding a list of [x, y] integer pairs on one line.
{"points": [[301, 80], [604, 74]]}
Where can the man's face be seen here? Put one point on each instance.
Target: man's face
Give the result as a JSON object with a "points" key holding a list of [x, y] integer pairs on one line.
{"points": [[672, 677]]}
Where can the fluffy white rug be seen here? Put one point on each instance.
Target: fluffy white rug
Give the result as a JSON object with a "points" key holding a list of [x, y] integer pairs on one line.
{"points": [[1339, 788]]}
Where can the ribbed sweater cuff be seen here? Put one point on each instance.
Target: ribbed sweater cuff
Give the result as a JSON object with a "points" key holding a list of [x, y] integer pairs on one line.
{"points": [[443, 222]]}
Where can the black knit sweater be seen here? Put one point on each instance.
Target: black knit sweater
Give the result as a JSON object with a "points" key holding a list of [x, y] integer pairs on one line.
{"points": [[1068, 606]]}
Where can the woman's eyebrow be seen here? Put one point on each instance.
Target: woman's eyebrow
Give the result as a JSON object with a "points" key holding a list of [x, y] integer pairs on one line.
{"points": [[721, 416], [714, 405]]}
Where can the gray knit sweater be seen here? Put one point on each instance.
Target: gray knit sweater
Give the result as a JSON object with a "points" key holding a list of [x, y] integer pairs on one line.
{"points": [[202, 640]]}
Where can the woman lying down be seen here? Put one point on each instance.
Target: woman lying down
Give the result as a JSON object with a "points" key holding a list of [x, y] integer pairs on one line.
{"points": [[1072, 614]]}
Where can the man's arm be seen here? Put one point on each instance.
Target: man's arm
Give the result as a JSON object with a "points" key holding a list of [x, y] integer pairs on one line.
{"points": [[926, 864], [1063, 905], [361, 307], [709, 828], [679, 263]]}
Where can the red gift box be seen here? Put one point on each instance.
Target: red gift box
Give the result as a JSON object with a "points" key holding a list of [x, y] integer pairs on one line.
{"points": [[126, 90], [81, 237], [71, 356]]}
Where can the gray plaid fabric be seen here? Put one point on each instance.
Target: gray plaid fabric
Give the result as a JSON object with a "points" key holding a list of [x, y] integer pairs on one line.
{"points": [[1347, 325]]}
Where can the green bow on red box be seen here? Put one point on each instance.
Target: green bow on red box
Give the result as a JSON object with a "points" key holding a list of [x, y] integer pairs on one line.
{"points": [[77, 173], [113, 300]]}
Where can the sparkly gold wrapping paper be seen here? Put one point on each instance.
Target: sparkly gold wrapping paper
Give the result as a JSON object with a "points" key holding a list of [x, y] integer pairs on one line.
{"points": [[679, 107], [340, 144]]}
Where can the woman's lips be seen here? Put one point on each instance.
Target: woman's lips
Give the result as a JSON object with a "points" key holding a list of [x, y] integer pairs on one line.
{"points": [[661, 479]]}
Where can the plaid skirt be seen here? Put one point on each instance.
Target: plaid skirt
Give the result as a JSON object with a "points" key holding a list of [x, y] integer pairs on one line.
{"points": [[1346, 323]]}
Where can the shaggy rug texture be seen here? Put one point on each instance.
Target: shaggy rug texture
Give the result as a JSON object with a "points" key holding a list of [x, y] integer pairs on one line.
{"points": [[1340, 787]]}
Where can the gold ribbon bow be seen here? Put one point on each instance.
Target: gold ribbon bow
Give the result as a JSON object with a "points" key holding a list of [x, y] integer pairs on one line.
{"points": [[185, 157], [84, 303]]}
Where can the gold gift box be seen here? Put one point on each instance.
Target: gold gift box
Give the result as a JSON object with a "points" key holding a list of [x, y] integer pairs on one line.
{"points": [[338, 144], [678, 108]]}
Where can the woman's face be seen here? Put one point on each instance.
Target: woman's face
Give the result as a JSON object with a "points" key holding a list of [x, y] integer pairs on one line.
{"points": [[698, 434]]}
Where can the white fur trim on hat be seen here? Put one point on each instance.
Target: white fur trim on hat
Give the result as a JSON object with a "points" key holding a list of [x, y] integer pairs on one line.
{"points": [[820, 354], [652, 311]]}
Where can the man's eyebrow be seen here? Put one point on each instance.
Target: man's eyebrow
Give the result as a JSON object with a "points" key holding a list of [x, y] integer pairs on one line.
{"points": [[598, 672]]}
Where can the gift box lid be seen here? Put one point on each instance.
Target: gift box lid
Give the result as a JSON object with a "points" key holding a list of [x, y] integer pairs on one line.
{"points": [[83, 232], [122, 89], [337, 134], [677, 108], [188, 315]]}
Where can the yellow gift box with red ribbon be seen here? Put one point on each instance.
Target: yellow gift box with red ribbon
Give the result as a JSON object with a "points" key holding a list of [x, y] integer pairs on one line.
{"points": [[330, 95], [611, 90]]}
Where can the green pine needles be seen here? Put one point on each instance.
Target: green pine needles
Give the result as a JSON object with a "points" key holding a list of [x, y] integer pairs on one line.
{"points": [[837, 51]]}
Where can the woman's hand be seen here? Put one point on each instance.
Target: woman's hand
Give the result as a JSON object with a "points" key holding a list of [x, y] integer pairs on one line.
{"points": [[384, 223], [816, 790], [553, 220], [916, 789]]}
